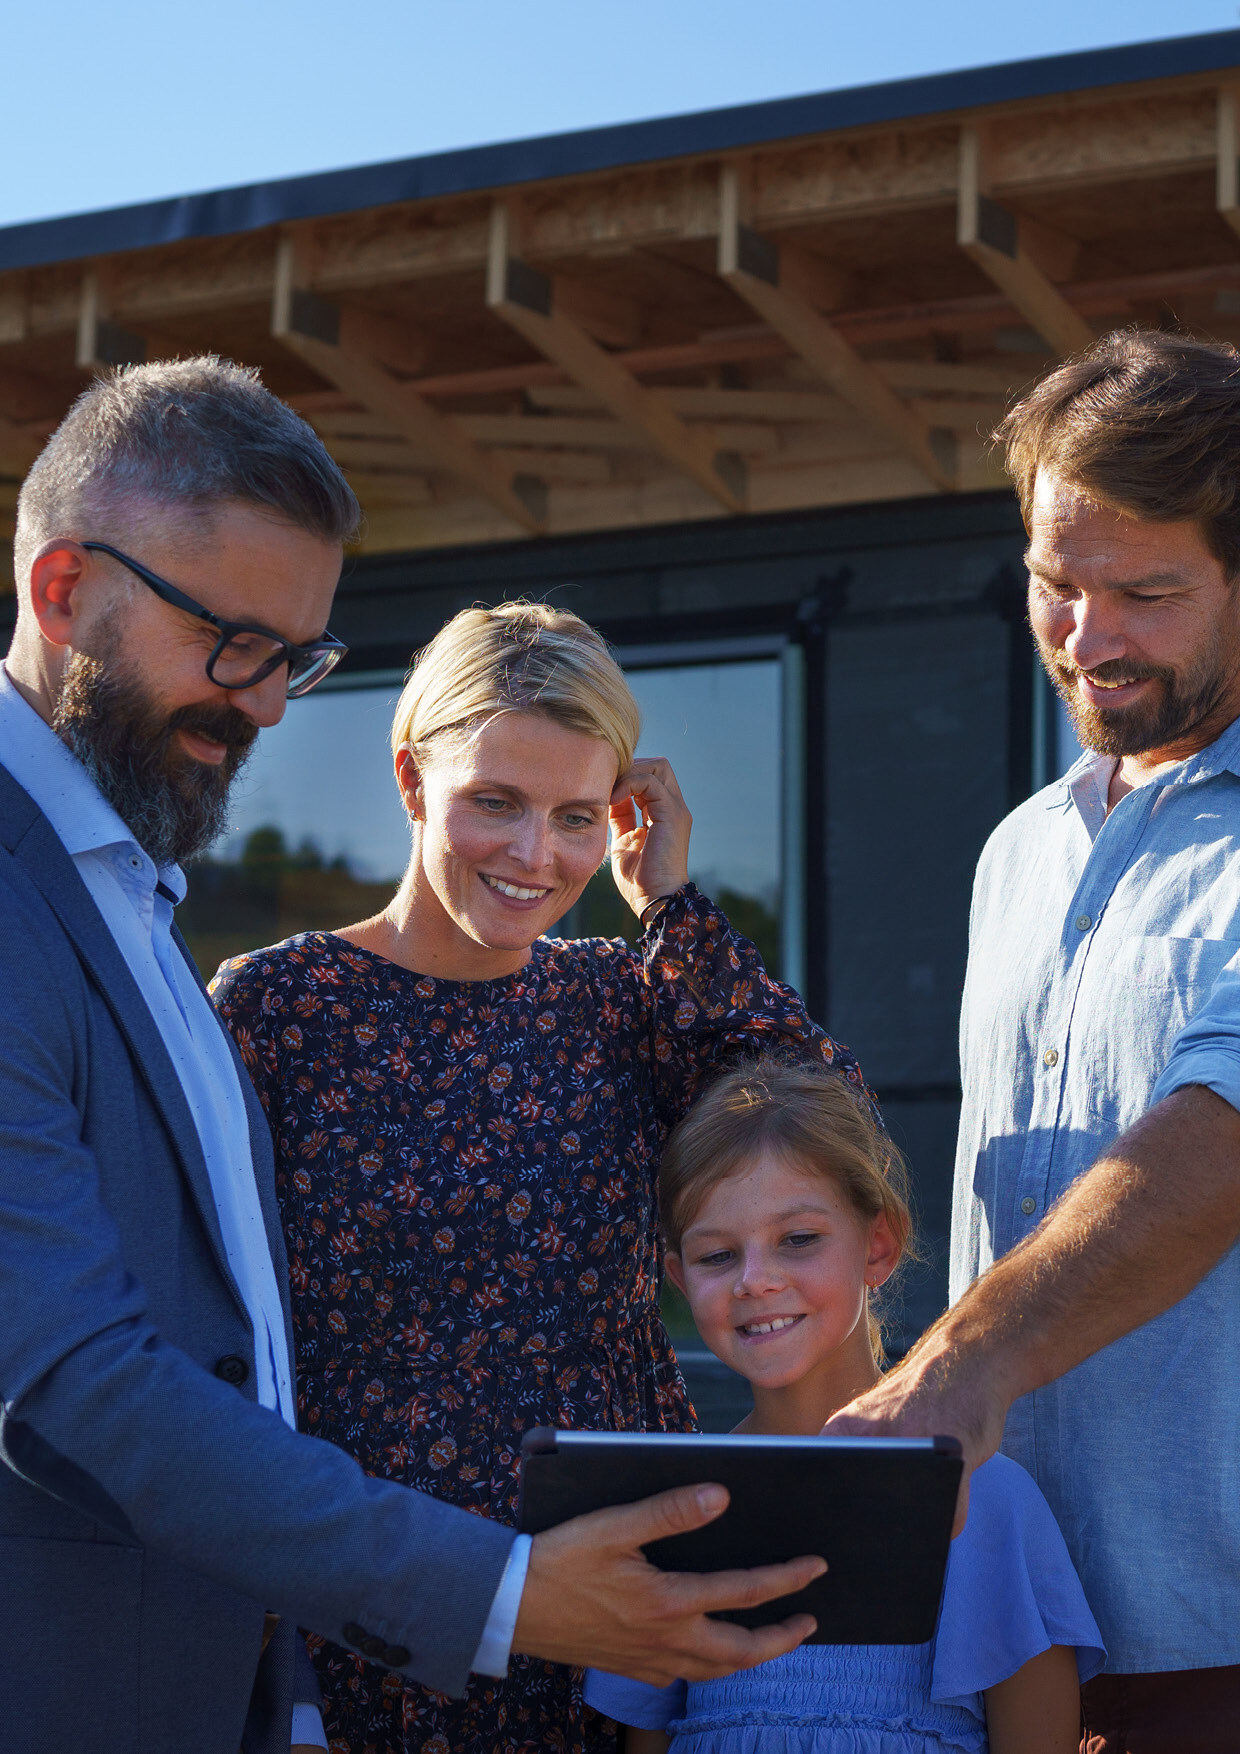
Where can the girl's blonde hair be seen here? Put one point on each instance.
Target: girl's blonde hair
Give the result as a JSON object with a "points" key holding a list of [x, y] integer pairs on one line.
{"points": [[519, 657], [803, 1113]]}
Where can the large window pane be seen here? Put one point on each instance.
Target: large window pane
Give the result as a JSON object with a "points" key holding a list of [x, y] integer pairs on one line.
{"points": [[317, 836], [719, 726]]}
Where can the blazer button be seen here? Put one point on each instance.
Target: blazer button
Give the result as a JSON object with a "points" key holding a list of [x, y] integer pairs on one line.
{"points": [[396, 1656], [232, 1369]]}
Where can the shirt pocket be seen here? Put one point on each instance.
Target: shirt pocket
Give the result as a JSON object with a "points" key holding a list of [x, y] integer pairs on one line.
{"points": [[1181, 963], [1166, 981]]}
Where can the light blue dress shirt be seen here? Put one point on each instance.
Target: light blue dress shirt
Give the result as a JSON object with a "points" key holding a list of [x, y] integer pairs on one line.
{"points": [[1094, 940], [136, 901]]}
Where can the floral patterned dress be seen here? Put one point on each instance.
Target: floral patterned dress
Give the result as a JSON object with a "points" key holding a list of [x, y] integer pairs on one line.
{"points": [[466, 1172]]}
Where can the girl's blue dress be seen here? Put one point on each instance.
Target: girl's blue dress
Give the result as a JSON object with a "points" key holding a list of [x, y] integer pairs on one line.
{"points": [[1010, 1593]]}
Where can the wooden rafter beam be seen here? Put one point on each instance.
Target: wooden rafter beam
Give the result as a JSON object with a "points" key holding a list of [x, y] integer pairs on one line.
{"points": [[611, 319], [999, 242], [1093, 140], [18, 448], [667, 499], [13, 308], [21, 438], [310, 327], [525, 299], [877, 325], [765, 276], [1227, 173], [537, 432], [398, 346], [101, 342], [926, 376], [681, 356], [583, 433]]}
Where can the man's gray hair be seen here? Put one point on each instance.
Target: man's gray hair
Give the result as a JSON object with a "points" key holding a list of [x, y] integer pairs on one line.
{"points": [[179, 434]]}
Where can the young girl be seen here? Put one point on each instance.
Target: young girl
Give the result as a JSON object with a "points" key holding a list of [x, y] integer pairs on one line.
{"points": [[784, 1210]]}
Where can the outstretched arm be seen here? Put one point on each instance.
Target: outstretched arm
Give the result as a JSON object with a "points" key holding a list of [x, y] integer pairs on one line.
{"points": [[1132, 1237]]}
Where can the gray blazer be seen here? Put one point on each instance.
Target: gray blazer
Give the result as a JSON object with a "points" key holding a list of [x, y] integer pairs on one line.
{"points": [[150, 1510]]}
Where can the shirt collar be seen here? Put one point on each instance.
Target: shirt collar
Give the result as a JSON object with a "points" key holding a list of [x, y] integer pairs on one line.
{"points": [[47, 769], [1221, 756]]}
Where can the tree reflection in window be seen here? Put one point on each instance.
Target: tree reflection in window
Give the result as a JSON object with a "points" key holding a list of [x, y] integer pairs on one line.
{"points": [[269, 893]]}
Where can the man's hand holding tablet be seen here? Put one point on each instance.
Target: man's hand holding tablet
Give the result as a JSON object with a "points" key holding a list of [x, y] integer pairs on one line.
{"points": [[592, 1597]]}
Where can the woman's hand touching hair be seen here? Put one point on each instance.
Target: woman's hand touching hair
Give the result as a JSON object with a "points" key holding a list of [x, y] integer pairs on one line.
{"points": [[650, 851]]}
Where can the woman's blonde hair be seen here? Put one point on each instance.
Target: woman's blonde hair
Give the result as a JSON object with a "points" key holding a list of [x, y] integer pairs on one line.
{"points": [[518, 657], [803, 1113]]}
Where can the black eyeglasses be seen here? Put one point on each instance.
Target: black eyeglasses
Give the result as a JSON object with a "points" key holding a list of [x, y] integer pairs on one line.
{"points": [[243, 655]]}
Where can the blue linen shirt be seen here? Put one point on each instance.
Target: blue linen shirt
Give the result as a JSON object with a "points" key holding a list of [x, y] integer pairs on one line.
{"points": [[136, 901], [1094, 941]]}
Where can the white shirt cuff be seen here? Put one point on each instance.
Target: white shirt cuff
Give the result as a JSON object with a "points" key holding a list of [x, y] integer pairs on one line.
{"points": [[308, 1726], [495, 1645]]}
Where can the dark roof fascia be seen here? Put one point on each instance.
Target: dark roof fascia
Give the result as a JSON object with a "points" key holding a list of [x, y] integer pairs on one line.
{"points": [[224, 212]]}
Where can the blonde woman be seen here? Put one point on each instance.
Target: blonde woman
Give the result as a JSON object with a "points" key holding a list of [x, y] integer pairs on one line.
{"points": [[468, 1116]]}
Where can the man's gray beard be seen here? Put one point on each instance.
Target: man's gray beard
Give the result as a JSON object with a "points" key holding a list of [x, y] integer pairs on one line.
{"points": [[174, 806], [1187, 699]]}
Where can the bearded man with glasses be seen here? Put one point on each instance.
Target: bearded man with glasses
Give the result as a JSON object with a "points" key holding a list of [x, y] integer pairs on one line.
{"points": [[164, 1529]]}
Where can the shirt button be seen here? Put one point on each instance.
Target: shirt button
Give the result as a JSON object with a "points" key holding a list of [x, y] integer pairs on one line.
{"points": [[1083, 922], [1051, 1057], [1028, 1205]]}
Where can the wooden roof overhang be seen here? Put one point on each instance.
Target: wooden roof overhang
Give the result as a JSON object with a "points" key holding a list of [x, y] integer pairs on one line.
{"points": [[809, 303]]}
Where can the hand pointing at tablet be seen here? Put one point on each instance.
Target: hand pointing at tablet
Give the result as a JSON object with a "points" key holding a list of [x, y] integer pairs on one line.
{"points": [[593, 1598]]}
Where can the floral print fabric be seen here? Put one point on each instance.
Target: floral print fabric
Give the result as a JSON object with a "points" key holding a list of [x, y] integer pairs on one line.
{"points": [[466, 1175]]}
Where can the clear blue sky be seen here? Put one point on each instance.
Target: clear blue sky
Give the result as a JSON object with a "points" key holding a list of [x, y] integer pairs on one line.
{"points": [[107, 104]]}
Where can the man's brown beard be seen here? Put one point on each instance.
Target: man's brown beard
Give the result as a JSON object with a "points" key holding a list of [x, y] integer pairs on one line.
{"points": [[1186, 700], [174, 806]]}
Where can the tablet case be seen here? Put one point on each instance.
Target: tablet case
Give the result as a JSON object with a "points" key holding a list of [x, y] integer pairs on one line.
{"points": [[879, 1511]]}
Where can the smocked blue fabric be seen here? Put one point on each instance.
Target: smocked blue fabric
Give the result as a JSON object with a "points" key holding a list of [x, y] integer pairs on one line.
{"points": [[1010, 1593]]}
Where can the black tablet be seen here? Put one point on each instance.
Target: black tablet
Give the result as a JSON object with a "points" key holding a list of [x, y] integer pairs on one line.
{"points": [[878, 1509]]}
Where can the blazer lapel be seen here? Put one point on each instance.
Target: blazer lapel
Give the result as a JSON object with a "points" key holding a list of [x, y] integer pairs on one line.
{"points": [[40, 852]]}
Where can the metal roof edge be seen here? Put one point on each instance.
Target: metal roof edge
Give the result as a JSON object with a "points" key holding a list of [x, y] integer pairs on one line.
{"points": [[251, 207]]}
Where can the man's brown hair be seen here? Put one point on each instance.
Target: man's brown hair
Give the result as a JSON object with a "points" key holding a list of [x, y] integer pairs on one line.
{"points": [[1143, 422]]}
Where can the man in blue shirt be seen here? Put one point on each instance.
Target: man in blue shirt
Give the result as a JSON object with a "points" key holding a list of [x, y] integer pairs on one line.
{"points": [[164, 1529], [1095, 1277]]}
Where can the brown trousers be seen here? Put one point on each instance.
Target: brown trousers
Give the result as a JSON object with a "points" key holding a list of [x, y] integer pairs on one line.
{"points": [[1183, 1711]]}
